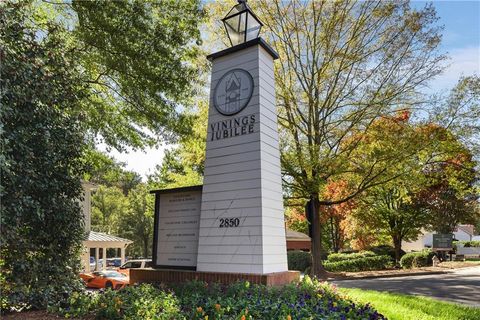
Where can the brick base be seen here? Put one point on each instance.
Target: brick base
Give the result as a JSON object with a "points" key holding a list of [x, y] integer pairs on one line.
{"points": [[177, 276]]}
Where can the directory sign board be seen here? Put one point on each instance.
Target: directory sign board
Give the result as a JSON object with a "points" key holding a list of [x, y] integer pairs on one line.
{"points": [[443, 241], [177, 220]]}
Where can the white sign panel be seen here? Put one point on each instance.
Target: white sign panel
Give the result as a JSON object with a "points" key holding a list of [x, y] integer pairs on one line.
{"points": [[177, 219]]}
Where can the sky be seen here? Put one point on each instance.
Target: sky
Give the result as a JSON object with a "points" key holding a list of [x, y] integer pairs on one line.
{"points": [[461, 40]]}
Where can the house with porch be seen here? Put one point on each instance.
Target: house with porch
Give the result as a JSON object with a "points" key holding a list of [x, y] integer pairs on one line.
{"points": [[463, 232], [96, 244]]}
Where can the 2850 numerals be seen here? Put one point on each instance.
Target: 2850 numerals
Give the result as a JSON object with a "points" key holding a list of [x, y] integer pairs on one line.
{"points": [[229, 223]]}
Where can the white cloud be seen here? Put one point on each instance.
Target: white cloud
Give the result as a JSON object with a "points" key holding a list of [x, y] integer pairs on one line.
{"points": [[464, 62], [143, 162]]}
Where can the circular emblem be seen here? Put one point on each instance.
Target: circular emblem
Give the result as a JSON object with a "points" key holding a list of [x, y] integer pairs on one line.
{"points": [[233, 92]]}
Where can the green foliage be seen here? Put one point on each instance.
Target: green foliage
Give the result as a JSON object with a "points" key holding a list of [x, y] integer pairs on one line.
{"points": [[299, 260], [42, 142], [129, 216], [468, 244], [136, 223], [366, 263], [78, 304], [137, 57], [383, 250], [198, 300], [391, 209], [335, 257], [104, 170], [417, 259], [142, 302], [108, 205], [184, 165], [134, 62]]}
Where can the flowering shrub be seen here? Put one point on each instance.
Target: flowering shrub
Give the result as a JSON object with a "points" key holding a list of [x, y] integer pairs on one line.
{"points": [[309, 299]]}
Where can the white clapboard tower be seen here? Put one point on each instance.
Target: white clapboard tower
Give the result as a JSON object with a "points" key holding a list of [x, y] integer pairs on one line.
{"points": [[242, 218]]}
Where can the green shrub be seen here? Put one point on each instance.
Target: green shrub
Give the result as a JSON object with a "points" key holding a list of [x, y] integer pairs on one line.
{"points": [[299, 260], [469, 244], [336, 257], [78, 305], [41, 162], [417, 259], [366, 263], [135, 302]]}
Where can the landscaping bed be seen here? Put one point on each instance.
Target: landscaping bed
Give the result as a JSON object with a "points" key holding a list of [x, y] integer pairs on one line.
{"points": [[309, 299]]}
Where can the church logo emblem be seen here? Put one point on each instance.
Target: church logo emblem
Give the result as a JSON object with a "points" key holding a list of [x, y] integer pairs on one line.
{"points": [[233, 92]]}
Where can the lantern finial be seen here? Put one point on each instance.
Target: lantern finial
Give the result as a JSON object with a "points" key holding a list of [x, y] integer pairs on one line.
{"points": [[241, 24]]}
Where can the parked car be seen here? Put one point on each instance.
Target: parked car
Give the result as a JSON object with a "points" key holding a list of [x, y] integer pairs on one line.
{"points": [[114, 262], [92, 263], [134, 264], [105, 279]]}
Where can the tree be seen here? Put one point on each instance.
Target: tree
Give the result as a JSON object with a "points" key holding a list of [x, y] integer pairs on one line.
{"points": [[451, 196], [183, 165], [416, 198], [447, 209], [393, 210], [343, 64], [109, 204], [135, 61], [104, 170], [137, 223], [460, 112], [42, 143]]}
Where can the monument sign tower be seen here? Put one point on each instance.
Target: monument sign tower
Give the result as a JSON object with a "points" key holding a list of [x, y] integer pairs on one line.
{"points": [[232, 227], [242, 219]]}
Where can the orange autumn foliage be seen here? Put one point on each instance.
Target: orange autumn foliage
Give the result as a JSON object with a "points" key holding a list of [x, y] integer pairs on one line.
{"points": [[335, 216]]}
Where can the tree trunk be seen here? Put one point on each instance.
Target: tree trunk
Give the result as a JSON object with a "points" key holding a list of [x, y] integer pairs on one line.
{"points": [[397, 243], [335, 246], [317, 266], [145, 248]]}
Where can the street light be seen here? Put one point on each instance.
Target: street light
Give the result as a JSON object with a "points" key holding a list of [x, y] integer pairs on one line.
{"points": [[241, 23]]}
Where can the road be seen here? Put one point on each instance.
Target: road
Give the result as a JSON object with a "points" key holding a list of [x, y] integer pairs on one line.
{"points": [[460, 286]]}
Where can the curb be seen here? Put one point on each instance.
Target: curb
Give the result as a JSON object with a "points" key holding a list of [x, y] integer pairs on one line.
{"points": [[396, 275]]}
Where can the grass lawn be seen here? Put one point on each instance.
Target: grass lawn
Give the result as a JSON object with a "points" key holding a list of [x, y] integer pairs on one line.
{"points": [[404, 307]]}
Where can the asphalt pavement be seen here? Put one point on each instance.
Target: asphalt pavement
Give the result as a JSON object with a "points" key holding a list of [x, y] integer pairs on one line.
{"points": [[460, 286]]}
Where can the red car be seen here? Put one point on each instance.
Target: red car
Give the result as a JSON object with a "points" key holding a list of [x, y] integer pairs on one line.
{"points": [[105, 279]]}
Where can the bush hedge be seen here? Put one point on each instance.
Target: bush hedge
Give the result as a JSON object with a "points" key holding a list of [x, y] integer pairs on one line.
{"points": [[383, 250], [417, 259], [469, 244], [299, 260], [308, 299], [366, 263], [336, 257]]}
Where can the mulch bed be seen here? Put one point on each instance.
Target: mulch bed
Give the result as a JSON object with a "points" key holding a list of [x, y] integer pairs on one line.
{"points": [[33, 315]]}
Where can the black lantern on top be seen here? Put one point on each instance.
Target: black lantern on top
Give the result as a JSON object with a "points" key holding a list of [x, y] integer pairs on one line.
{"points": [[241, 23]]}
